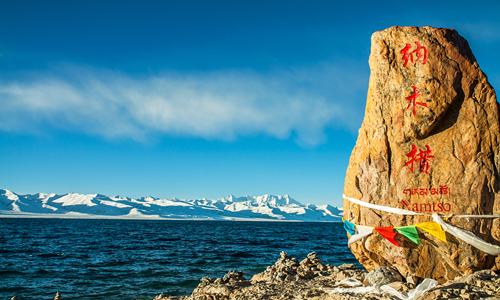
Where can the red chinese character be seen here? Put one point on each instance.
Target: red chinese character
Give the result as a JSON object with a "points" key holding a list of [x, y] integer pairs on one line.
{"points": [[414, 192], [422, 157], [413, 100], [422, 58], [409, 164], [406, 54], [423, 191], [407, 192], [419, 53], [434, 191]]}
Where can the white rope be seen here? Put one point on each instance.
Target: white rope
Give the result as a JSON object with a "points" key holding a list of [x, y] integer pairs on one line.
{"points": [[476, 216], [400, 211]]}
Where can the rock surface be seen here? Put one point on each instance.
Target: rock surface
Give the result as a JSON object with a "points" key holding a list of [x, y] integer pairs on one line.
{"points": [[58, 296], [429, 143], [382, 276], [271, 284]]}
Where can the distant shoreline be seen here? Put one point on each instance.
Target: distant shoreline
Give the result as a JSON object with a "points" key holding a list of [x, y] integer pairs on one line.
{"points": [[75, 216]]}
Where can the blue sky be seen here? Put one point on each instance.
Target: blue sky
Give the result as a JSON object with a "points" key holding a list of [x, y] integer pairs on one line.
{"points": [[193, 99]]}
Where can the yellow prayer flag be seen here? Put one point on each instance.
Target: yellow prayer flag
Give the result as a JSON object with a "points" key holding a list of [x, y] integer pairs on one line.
{"points": [[434, 229]]}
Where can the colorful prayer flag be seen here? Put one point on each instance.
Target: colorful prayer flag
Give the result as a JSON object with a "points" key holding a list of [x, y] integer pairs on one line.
{"points": [[388, 233], [361, 232], [434, 229], [410, 232], [349, 227]]}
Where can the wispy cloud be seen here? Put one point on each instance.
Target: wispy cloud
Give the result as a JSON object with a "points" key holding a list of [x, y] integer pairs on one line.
{"points": [[483, 31], [212, 105]]}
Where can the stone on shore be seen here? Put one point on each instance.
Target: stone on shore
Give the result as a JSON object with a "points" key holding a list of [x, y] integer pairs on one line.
{"points": [[382, 276], [429, 143], [269, 285]]}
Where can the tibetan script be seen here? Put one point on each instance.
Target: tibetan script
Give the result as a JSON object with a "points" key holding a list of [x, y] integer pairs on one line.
{"points": [[442, 190]]}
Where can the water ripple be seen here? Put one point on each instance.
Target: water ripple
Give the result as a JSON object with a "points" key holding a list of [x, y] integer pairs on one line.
{"points": [[130, 259]]}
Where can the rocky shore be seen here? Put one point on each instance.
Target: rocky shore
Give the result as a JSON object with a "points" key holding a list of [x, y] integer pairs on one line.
{"points": [[311, 279]]}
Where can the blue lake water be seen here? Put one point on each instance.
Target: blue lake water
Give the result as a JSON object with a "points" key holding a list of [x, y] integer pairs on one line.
{"points": [[132, 259]]}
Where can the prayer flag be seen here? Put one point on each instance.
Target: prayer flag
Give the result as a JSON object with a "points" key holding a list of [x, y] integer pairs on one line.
{"points": [[361, 232], [349, 227], [410, 232], [434, 229], [388, 233]]}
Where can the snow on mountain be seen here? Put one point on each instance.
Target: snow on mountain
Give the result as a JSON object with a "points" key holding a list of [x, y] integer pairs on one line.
{"points": [[266, 207]]}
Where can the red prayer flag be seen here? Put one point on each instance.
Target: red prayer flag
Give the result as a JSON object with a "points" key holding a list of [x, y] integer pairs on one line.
{"points": [[388, 233]]}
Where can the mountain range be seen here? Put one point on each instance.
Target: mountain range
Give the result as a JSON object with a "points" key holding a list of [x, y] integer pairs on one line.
{"points": [[72, 205]]}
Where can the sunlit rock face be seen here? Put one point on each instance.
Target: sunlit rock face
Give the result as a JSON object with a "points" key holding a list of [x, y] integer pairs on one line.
{"points": [[429, 143]]}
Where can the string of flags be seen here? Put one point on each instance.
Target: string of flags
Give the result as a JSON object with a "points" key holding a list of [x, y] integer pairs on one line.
{"points": [[357, 232], [437, 228]]}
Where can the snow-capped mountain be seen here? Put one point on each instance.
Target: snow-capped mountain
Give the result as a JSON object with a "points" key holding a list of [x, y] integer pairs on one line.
{"points": [[100, 206]]}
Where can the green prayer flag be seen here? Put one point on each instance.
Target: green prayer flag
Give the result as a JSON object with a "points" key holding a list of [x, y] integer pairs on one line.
{"points": [[410, 232]]}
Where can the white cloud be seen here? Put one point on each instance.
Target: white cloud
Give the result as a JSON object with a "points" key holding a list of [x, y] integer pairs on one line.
{"points": [[214, 105]]}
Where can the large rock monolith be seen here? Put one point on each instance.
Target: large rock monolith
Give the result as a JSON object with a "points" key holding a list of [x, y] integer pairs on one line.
{"points": [[429, 143]]}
